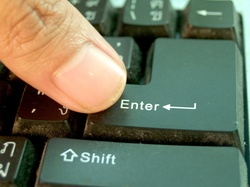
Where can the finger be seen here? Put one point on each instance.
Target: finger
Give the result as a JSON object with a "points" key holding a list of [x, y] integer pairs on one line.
{"points": [[51, 46]]}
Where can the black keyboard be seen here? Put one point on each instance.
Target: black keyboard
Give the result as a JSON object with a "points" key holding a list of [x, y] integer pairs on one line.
{"points": [[181, 121]]}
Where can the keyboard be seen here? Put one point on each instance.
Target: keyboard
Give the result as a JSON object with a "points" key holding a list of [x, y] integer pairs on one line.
{"points": [[183, 119]]}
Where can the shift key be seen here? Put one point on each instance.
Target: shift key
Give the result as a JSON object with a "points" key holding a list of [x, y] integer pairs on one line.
{"points": [[96, 163]]}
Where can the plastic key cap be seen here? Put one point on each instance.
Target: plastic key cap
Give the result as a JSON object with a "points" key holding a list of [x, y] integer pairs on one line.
{"points": [[6, 116], [190, 99], [40, 116], [99, 13], [96, 163], [212, 20], [17, 158], [130, 53], [3, 71], [147, 18]]}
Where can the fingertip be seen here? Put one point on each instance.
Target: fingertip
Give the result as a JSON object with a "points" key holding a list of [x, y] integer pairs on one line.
{"points": [[91, 79]]}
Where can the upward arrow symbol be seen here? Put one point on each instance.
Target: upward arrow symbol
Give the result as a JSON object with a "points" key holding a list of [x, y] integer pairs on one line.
{"points": [[69, 155]]}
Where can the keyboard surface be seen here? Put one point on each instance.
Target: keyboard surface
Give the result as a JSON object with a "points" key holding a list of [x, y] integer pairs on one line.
{"points": [[183, 119]]}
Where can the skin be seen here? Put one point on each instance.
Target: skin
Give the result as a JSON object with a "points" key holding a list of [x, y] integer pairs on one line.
{"points": [[52, 47]]}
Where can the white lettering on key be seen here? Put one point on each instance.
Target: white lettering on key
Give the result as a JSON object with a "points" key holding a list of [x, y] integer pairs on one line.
{"points": [[156, 15], [3, 172], [156, 3], [75, 2], [126, 104], [33, 111], [118, 44], [92, 3], [133, 4], [132, 14], [208, 13], [6, 144], [69, 155], [169, 107], [98, 159], [63, 110], [39, 92], [90, 15]]}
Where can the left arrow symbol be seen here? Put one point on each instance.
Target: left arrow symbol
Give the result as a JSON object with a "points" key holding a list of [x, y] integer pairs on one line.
{"points": [[69, 155], [208, 13], [169, 107]]}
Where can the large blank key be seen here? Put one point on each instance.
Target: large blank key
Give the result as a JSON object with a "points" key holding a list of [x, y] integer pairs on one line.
{"points": [[195, 96], [93, 163]]}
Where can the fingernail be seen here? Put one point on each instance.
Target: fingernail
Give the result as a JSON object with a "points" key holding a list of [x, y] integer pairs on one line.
{"points": [[91, 79]]}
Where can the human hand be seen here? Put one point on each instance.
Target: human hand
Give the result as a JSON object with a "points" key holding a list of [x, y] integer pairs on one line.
{"points": [[52, 47]]}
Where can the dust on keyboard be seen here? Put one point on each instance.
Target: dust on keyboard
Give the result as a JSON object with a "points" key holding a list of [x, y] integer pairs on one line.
{"points": [[181, 121]]}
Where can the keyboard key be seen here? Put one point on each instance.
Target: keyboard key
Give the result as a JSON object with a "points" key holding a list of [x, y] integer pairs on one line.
{"points": [[3, 71], [211, 20], [8, 107], [95, 163], [178, 123], [40, 116], [148, 18], [130, 53], [17, 158], [4, 92], [195, 96], [99, 13]]}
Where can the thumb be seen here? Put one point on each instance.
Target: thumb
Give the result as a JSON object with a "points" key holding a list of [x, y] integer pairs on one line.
{"points": [[52, 47]]}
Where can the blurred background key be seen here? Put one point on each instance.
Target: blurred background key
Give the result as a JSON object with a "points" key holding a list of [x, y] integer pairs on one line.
{"points": [[211, 20], [99, 13], [148, 18]]}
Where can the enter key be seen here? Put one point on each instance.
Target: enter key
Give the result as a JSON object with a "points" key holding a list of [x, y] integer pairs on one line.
{"points": [[194, 97]]}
